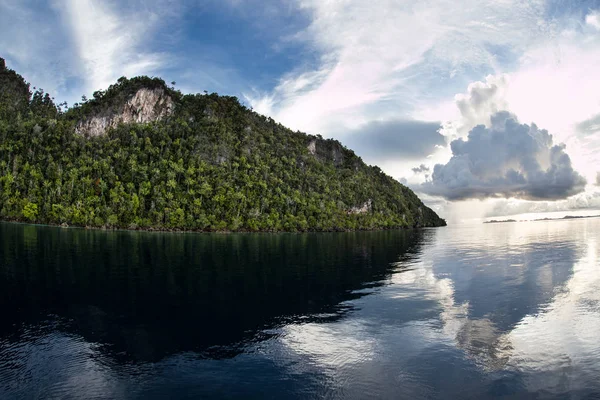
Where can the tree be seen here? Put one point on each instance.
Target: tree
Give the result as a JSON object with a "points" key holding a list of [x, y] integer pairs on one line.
{"points": [[30, 211]]}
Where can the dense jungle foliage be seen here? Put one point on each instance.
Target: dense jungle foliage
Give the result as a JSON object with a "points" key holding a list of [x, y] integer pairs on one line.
{"points": [[211, 165]]}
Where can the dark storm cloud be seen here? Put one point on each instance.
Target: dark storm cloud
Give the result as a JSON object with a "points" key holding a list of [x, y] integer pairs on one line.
{"points": [[421, 168], [395, 140], [508, 159]]}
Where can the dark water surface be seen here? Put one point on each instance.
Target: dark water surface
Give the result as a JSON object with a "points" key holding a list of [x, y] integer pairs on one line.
{"points": [[490, 311]]}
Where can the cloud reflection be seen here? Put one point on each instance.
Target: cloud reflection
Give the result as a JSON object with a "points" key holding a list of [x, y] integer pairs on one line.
{"points": [[558, 348], [534, 313]]}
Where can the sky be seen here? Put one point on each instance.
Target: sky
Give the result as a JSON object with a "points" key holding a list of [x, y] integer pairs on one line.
{"points": [[486, 110]]}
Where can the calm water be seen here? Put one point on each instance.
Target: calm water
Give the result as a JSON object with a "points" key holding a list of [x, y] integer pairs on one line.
{"points": [[491, 311]]}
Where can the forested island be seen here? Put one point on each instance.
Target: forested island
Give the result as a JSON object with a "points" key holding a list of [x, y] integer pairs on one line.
{"points": [[142, 155]]}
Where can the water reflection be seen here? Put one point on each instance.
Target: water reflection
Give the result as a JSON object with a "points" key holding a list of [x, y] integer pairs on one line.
{"points": [[510, 310], [146, 296], [558, 348], [479, 321]]}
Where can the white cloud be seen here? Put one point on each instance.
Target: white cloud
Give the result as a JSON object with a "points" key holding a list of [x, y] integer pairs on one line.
{"points": [[593, 19], [556, 85], [398, 59], [482, 100], [35, 45], [75, 47], [375, 56], [505, 159], [109, 41]]}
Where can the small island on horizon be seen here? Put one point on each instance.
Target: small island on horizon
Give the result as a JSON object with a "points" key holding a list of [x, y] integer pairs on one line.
{"points": [[142, 155], [493, 221]]}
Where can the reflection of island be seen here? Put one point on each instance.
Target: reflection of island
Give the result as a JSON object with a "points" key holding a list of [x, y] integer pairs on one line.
{"points": [[148, 296], [494, 221]]}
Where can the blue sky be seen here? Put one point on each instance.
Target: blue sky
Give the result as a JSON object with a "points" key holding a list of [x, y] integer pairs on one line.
{"points": [[212, 45], [382, 77], [234, 47]]}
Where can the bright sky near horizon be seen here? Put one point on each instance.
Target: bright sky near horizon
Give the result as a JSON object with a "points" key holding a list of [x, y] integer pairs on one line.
{"points": [[485, 108]]}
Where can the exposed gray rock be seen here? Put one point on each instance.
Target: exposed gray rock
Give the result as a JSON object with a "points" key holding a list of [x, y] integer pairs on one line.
{"points": [[363, 209], [312, 147], [146, 105], [326, 150]]}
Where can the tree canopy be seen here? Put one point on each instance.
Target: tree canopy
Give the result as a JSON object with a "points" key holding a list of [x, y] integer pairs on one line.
{"points": [[211, 165]]}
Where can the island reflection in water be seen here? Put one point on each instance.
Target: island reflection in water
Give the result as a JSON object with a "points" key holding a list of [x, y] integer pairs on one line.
{"points": [[486, 311]]}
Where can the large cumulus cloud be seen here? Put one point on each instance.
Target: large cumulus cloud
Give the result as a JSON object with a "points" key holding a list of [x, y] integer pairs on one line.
{"points": [[506, 159], [477, 105]]}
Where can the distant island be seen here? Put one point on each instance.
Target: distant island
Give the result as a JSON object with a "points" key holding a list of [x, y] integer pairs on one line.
{"points": [[493, 221], [142, 155]]}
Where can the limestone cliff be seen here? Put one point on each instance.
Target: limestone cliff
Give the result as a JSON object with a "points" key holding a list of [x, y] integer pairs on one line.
{"points": [[326, 150], [143, 106]]}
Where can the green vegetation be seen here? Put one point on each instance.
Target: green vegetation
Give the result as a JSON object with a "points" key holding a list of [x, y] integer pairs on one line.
{"points": [[211, 165]]}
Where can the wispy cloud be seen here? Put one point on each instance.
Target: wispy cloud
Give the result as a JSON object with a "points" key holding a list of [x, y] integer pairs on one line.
{"points": [[35, 44], [111, 41], [387, 55], [75, 47]]}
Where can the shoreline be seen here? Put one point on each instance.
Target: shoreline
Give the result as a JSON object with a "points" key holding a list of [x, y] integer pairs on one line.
{"points": [[197, 231]]}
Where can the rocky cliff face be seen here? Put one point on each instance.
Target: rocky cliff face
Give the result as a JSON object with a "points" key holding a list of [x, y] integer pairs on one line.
{"points": [[145, 105], [326, 150]]}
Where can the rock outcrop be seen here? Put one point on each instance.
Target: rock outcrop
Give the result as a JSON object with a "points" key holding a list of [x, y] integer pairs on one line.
{"points": [[146, 105], [362, 209], [327, 150]]}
